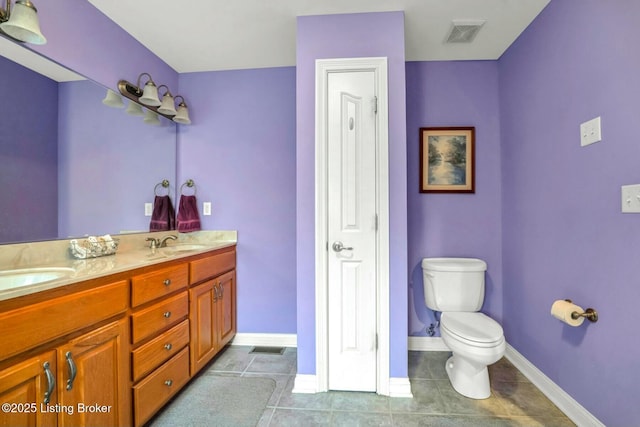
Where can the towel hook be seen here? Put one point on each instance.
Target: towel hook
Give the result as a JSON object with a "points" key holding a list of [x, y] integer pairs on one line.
{"points": [[163, 184], [189, 183]]}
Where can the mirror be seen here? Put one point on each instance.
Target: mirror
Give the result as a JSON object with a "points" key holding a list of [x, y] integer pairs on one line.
{"points": [[69, 165]]}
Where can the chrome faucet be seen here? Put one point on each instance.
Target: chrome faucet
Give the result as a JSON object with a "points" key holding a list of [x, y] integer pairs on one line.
{"points": [[163, 243], [154, 242]]}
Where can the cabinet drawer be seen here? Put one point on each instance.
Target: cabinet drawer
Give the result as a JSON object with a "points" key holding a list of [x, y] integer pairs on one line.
{"points": [[30, 326], [156, 284], [147, 322], [157, 351], [212, 266], [152, 392]]}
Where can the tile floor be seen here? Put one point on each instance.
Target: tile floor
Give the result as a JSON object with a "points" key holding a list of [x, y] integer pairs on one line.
{"points": [[514, 400]]}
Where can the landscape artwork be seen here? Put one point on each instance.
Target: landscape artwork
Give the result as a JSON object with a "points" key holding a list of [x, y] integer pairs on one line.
{"points": [[447, 160]]}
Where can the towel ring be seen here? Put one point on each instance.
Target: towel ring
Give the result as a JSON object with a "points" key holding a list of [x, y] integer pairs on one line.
{"points": [[164, 184], [189, 183]]}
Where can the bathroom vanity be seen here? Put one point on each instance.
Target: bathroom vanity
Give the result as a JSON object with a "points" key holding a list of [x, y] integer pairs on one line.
{"points": [[112, 345]]}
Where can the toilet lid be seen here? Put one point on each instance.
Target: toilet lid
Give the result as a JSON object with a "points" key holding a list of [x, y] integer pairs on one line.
{"points": [[475, 327]]}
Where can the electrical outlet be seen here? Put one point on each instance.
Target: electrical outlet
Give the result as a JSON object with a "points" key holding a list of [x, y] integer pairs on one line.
{"points": [[206, 208], [148, 209]]}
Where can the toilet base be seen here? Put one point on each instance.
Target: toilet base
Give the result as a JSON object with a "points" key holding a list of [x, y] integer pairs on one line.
{"points": [[468, 379]]}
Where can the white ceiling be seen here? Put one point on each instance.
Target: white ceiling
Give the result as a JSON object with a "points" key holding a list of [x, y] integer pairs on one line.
{"points": [[208, 35]]}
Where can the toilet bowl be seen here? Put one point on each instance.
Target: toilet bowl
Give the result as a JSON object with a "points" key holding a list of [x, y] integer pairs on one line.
{"points": [[475, 341], [455, 287]]}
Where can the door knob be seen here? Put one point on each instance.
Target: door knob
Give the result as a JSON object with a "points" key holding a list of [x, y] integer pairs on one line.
{"points": [[339, 247]]}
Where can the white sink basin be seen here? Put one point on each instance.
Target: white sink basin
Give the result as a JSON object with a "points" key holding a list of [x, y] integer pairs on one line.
{"points": [[184, 248], [11, 279]]}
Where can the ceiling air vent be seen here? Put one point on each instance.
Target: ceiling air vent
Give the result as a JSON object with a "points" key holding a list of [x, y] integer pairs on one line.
{"points": [[464, 31]]}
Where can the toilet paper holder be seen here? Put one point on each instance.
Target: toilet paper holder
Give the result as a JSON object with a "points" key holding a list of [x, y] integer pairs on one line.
{"points": [[589, 313]]}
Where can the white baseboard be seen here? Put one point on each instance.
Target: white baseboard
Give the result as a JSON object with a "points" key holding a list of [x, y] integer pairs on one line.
{"points": [[307, 384], [567, 404], [427, 344], [400, 387], [267, 340]]}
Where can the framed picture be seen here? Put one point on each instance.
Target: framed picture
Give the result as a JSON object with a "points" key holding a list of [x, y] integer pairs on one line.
{"points": [[447, 160]]}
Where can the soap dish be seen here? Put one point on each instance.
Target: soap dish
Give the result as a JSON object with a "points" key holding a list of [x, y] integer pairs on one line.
{"points": [[93, 247]]}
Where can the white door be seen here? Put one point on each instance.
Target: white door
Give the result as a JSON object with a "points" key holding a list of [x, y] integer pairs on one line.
{"points": [[352, 223]]}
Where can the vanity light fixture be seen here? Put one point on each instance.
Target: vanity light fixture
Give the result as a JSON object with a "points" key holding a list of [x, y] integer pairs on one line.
{"points": [[182, 116], [151, 118], [168, 106], [148, 97], [150, 92], [113, 100], [134, 109], [21, 23]]}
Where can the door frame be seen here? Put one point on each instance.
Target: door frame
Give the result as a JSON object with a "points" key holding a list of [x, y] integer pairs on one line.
{"points": [[323, 68]]}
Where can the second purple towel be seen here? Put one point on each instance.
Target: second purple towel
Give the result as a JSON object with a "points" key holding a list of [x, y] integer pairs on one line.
{"points": [[188, 218]]}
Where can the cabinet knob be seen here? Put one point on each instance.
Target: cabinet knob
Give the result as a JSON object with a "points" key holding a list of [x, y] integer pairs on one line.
{"points": [[168, 383], [168, 346], [167, 314], [167, 282]]}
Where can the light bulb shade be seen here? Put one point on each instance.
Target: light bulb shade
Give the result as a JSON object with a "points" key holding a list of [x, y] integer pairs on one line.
{"points": [[168, 105], [23, 24], [113, 100], [182, 116], [134, 109], [151, 118], [150, 95]]}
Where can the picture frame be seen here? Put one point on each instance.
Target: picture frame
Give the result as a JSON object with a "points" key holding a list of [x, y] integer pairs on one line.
{"points": [[447, 160]]}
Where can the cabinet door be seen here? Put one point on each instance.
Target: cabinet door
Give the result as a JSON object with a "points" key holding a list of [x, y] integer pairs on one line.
{"points": [[226, 307], [202, 317], [93, 378], [24, 388]]}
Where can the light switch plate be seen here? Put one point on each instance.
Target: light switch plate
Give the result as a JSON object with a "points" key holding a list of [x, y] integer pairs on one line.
{"points": [[630, 198], [148, 209], [590, 132]]}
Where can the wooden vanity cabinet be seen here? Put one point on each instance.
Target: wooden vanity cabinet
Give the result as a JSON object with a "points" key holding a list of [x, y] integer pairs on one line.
{"points": [[25, 386], [159, 336], [112, 351], [212, 300], [92, 372], [85, 375]]}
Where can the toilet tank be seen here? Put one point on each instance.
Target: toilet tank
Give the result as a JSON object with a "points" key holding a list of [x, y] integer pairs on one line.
{"points": [[453, 284]]}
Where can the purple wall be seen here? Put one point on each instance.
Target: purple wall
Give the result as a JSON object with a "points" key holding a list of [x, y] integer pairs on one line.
{"points": [[240, 151], [563, 233], [335, 36], [109, 163], [461, 93], [28, 155]]}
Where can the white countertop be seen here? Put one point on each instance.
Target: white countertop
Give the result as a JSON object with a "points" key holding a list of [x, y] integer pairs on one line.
{"points": [[133, 252]]}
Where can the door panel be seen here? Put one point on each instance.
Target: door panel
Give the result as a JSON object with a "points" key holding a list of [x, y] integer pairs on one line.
{"points": [[351, 212]]}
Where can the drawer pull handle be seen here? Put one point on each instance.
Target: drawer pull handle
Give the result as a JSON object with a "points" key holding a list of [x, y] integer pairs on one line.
{"points": [[51, 382], [167, 314], [73, 371], [168, 346], [168, 383], [215, 292], [167, 282]]}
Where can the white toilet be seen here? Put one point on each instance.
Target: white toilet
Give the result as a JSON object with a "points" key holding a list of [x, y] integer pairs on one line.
{"points": [[455, 286]]}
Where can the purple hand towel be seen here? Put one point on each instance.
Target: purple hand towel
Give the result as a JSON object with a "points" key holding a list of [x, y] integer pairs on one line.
{"points": [[188, 218], [163, 217]]}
